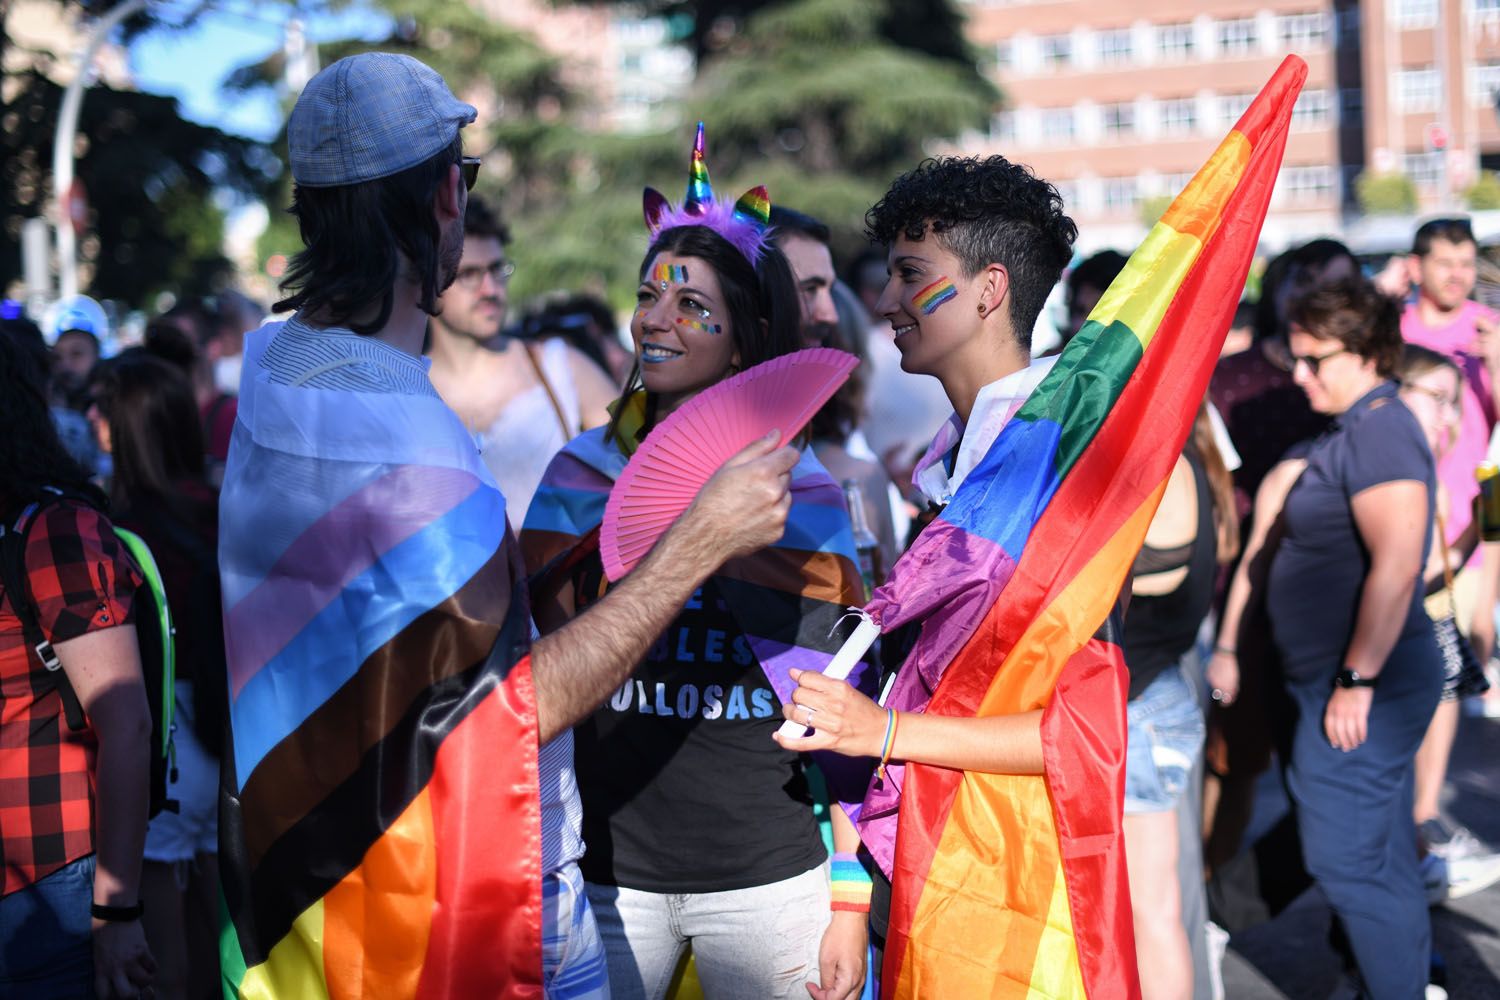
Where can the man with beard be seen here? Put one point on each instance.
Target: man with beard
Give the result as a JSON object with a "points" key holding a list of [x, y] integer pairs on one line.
{"points": [[381, 828], [522, 400], [804, 241]]}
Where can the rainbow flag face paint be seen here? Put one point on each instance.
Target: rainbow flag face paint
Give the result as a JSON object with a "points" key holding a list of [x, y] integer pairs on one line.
{"points": [[693, 324], [934, 295], [675, 274]]}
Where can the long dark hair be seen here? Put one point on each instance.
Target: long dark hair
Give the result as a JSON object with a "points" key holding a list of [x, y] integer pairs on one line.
{"points": [[761, 301], [156, 436], [31, 454], [356, 236]]}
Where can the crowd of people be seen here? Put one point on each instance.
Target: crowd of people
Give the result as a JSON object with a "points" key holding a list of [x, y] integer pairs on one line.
{"points": [[1315, 598]]}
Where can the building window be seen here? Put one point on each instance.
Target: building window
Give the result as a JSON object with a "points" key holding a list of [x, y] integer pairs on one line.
{"points": [[1175, 41], [1314, 109], [1175, 184], [1419, 89], [1484, 83], [1302, 32], [1003, 127], [1486, 10], [1231, 106], [1057, 124], [1306, 185], [1114, 47], [1424, 169], [1237, 37], [1057, 50], [1120, 194], [1415, 13], [1179, 116], [1004, 54], [1118, 119], [1068, 192]]}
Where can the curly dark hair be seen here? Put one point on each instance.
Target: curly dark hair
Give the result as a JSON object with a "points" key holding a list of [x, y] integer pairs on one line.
{"points": [[985, 211], [1352, 313], [31, 454]]}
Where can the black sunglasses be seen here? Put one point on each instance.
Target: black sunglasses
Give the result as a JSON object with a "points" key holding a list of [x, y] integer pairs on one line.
{"points": [[1315, 361], [469, 167]]}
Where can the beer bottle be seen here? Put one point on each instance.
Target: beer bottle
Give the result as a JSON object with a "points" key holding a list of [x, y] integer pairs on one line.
{"points": [[866, 545]]}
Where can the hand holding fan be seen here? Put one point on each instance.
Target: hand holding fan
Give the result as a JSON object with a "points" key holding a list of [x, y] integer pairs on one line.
{"points": [[677, 458]]}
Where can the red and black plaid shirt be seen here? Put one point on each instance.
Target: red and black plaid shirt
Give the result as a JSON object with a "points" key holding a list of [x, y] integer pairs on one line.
{"points": [[81, 579]]}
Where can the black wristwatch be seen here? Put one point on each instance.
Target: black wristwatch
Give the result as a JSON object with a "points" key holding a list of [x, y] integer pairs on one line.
{"points": [[1347, 678]]}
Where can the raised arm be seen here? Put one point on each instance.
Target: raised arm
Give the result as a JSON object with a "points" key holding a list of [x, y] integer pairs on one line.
{"points": [[741, 510]]}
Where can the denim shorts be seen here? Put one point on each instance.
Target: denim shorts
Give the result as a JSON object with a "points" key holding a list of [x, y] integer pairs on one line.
{"points": [[46, 938], [1164, 739]]}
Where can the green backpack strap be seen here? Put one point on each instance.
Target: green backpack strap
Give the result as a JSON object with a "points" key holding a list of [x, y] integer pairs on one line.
{"points": [[146, 562]]}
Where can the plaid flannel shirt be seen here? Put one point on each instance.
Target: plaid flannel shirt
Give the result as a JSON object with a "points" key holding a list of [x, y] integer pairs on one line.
{"points": [[81, 579]]}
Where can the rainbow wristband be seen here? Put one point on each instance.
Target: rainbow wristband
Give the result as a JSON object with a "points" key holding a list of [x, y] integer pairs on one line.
{"points": [[850, 883]]}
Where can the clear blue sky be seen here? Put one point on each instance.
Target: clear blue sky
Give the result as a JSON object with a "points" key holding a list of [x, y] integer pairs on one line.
{"points": [[191, 64]]}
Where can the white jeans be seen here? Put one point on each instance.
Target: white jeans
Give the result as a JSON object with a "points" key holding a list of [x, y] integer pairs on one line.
{"points": [[759, 943]]}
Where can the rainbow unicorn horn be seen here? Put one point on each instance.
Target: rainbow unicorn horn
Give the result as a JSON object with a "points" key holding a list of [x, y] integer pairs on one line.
{"points": [[700, 193]]}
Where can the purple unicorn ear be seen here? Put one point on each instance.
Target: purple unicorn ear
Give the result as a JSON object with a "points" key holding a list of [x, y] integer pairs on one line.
{"points": [[653, 205]]}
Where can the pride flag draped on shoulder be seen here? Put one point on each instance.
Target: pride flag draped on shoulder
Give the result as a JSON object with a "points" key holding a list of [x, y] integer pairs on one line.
{"points": [[379, 828], [1012, 885]]}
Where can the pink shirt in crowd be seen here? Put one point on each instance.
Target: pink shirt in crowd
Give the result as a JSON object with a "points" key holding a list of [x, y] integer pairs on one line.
{"points": [[1456, 469]]}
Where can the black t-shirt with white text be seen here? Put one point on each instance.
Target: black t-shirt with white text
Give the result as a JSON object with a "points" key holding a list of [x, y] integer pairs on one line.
{"points": [[683, 788]]}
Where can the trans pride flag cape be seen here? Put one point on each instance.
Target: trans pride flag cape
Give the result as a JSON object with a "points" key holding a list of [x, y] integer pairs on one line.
{"points": [[380, 819], [787, 599], [1014, 885]]}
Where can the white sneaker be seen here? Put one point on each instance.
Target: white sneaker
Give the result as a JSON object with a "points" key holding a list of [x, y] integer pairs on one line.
{"points": [[1472, 874]]}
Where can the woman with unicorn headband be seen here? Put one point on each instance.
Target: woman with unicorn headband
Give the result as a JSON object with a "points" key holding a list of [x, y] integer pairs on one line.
{"points": [[699, 829]]}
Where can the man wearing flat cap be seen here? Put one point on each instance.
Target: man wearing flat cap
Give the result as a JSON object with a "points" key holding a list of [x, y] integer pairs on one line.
{"points": [[399, 817]]}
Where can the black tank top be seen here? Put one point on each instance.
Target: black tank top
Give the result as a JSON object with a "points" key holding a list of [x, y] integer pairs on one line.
{"points": [[1160, 629]]}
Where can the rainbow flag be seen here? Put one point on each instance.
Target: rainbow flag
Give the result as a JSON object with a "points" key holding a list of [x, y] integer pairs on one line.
{"points": [[380, 820], [1015, 885]]}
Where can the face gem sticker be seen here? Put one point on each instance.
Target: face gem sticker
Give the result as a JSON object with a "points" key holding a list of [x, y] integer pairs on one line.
{"points": [[693, 324]]}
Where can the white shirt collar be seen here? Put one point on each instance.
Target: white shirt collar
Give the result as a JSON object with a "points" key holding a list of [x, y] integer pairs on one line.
{"points": [[993, 408]]}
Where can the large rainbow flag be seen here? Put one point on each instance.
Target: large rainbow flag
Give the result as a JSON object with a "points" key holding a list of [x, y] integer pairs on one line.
{"points": [[380, 817], [1015, 885]]}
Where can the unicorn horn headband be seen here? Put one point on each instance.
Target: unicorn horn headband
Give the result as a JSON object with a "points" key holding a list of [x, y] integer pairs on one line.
{"points": [[745, 223]]}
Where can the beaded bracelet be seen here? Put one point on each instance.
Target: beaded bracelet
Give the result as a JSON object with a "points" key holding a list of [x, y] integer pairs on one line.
{"points": [[850, 883]]}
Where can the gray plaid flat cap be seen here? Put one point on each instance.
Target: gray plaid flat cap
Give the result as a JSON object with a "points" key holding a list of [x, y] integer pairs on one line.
{"points": [[370, 116]]}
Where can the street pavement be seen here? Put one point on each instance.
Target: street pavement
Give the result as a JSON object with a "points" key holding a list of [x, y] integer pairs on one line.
{"points": [[1289, 958]]}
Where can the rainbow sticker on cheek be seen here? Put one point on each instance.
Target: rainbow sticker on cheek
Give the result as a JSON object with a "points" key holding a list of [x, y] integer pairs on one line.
{"points": [[670, 273], [693, 324], [934, 295]]}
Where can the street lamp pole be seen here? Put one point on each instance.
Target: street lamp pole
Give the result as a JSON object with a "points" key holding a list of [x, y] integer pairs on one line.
{"points": [[62, 146]]}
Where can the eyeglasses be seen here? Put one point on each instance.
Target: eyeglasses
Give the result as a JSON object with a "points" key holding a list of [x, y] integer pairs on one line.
{"points": [[1314, 361], [1442, 398], [472, 277], [469, 167]]}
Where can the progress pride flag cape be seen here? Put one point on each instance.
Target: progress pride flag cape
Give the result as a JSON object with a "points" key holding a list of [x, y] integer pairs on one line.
{"points": [[380, 819], [1015, 885]]}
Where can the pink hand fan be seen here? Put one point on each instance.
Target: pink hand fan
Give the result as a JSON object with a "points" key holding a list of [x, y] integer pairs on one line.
{"points": [[680, 455]]}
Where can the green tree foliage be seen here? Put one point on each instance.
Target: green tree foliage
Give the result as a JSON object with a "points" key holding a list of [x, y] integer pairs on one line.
{"points": [[1484, 193], [810, 97], [1385, 194], [149, 177]]}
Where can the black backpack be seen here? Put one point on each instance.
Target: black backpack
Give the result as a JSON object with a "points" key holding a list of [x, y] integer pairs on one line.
{"points": [[153, 630]]}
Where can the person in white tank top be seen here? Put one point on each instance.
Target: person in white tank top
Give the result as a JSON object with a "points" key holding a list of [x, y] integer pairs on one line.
{"points": [[521, 400]]}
